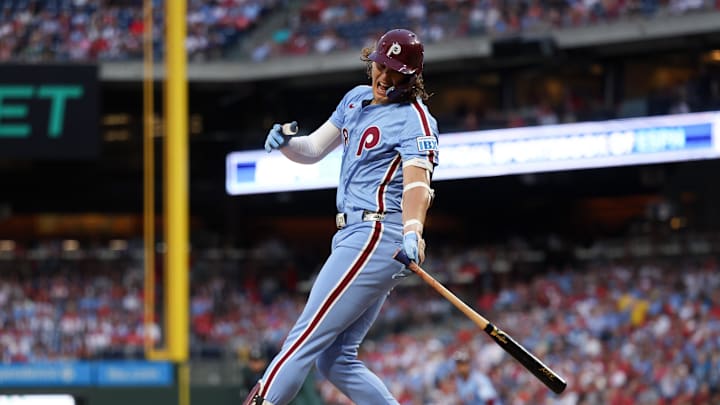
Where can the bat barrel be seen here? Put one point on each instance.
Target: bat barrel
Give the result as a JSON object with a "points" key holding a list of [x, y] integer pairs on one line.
{"points": [[548, 377]]}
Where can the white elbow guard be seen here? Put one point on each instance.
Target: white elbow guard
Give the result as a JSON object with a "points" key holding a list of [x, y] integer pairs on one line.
{"points": [[415, 184], [419, 162]]}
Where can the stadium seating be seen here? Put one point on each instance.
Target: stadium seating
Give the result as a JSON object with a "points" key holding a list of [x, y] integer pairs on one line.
{"points": [[81, 31], [68, 30]]}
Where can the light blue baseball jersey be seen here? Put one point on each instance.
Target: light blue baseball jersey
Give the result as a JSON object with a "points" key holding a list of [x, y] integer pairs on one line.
{"points": [[354, 282], [376, 140]]}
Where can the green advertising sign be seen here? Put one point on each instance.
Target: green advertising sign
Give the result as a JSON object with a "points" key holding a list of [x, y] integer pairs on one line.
{"points": [[49, 111]]}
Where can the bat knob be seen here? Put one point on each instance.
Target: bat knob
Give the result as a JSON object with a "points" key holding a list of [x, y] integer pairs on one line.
{"points": [[401, 257], [290, 128]]}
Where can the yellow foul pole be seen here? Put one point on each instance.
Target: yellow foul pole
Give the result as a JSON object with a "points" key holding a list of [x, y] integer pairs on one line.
{"points": [[176, 180], [149, 178], [176, 175]]}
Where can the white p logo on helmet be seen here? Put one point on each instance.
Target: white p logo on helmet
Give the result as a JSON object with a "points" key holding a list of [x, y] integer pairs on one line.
{"points": [[394, 49]]}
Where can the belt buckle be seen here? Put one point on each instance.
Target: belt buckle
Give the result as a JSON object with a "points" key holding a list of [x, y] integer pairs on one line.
{"points": [[373, 216], [340, 221]]}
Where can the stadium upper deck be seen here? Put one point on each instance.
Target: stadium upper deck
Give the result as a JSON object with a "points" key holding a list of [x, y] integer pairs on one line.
{"points": [[262, 30]]}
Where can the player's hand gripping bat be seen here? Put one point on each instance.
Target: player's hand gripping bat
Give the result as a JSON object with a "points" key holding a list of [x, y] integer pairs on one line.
{"points": [[548, 377], [279, 135]]}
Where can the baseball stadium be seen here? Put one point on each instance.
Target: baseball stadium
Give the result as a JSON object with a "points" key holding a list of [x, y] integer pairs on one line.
{"points": [[336, 202]]}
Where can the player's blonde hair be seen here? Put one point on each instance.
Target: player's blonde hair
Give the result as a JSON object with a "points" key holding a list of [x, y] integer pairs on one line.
{"points": [[418, 88]]}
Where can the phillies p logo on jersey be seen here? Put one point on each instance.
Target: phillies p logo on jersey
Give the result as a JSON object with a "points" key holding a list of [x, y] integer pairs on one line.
{"points": [[370, 138]]}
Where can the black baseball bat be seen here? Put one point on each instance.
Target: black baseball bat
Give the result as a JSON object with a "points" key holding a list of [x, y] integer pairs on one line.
{"points": [[548, 377]]}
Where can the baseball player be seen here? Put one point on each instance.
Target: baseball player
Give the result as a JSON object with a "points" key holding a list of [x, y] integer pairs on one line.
{"points": [[390, 149]]}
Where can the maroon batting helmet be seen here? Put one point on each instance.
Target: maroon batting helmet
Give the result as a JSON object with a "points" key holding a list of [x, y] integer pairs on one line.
{"points": [[400, 50]]}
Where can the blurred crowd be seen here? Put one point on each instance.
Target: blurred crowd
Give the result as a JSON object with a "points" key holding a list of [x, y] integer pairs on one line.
{"points": [[324, 26], [111, 30], [88, 30], [698, 92], [58, 309], [631, 321]]}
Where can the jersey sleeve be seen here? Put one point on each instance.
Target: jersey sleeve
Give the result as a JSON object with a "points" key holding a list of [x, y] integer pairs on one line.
{"points": [[419, 139], [338, 116]]}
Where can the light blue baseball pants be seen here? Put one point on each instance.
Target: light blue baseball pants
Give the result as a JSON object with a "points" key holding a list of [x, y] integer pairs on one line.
{"points": [[344, 302]]}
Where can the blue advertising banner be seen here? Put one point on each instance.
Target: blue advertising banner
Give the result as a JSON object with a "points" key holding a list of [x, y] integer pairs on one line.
{"points": [[64, 374], [45, 374], [134, 373]]}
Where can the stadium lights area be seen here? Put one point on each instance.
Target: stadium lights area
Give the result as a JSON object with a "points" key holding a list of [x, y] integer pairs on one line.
{"points": [[632, 141]]}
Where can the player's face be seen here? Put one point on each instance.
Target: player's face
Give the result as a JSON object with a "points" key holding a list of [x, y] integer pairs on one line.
{"points": [[382, 79]]}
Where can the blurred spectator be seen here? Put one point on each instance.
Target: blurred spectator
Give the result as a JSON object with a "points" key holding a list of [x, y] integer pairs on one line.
{"points": [[680, 103], [473, 387], [546, 115], [253, 368], [328, 42]]}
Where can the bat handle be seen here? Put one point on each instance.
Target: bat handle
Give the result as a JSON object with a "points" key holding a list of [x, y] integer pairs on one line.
{"points": [[290, 128], [402, 257]]}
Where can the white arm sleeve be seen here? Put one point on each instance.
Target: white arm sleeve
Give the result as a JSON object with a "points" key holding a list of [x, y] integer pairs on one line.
{"points": [[312, 148]]}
